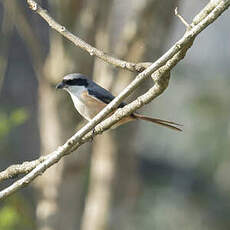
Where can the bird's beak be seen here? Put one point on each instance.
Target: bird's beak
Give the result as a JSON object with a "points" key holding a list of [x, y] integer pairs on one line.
{"points": [[60, 85]]}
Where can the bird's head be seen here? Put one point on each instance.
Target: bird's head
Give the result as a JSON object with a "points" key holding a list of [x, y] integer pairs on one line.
{"points": [[72, 82]]}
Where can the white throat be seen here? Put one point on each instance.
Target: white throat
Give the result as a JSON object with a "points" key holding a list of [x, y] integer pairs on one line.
{"points": [[76, 90], [75, 93]]}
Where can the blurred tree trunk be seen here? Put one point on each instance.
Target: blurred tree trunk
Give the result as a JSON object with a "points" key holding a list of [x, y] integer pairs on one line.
{"points": [[53, 130], [102, 166], [60, 190], [143, 39], [113, 156]]}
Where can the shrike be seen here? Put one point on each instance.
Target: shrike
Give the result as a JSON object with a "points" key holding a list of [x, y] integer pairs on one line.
{"points": [[89, 99]]}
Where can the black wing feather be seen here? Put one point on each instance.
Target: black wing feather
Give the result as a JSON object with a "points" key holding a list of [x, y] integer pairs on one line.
{"points": [[102, 94]]}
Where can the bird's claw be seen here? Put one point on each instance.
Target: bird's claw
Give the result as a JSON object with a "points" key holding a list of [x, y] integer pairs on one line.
{"points": [[93, 134]]}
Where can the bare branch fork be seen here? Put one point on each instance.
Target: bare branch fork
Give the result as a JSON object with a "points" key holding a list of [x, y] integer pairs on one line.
{"points": [[160, 71]]}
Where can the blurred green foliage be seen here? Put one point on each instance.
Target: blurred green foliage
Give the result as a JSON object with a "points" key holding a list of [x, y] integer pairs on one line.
{"points": [[16, 214], [8, 217], [9, 121]]}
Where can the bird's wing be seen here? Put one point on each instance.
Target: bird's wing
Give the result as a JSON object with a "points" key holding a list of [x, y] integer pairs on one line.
{"points": [[102, 94]]}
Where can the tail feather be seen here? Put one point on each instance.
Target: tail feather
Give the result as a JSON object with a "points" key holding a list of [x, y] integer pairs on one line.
{"points": [[165, 123]]}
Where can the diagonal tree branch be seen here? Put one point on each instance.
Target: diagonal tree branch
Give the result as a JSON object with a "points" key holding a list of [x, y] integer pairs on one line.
{"points": [[135, 67], [161, 73], [25, 167]]}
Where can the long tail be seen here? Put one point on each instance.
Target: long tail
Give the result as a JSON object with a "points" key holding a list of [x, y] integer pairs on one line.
{"points": [[168, 124]]}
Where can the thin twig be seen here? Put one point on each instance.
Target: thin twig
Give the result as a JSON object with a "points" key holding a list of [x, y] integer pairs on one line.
{"points": [[161, 77], [135, 67], [188, 26]]}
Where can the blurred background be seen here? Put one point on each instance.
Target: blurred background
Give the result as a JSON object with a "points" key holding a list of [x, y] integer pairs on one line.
{"points": [[139, 176]]}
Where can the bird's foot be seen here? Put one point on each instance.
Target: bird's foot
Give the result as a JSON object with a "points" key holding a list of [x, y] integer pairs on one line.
{"points": [[93, 135]]}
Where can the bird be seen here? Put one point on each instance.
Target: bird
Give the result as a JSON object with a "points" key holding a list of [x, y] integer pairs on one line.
{"points": [[89, 99]]}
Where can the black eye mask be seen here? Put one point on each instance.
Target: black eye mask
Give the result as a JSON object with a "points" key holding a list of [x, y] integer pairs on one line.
{"points": [[77, 82]]}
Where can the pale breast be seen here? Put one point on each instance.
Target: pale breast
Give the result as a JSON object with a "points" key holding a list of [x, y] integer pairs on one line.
{"points": [[87, 105]]}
